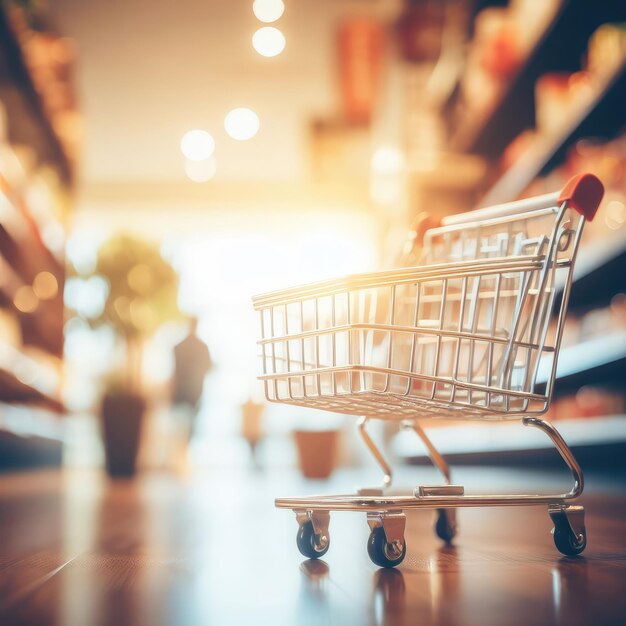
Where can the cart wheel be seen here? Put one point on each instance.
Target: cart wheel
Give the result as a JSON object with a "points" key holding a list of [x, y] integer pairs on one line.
{"points": [[566, 541], [311, 545], [445, 526], [382, 552]]}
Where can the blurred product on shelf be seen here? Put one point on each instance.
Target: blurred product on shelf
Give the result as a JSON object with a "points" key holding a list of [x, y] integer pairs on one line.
{"points": [[361, 46], [591, 381], [587, 402], [503, 39], [607, 49], [39, 135], [608, 160], [556, 96], [597, 322], [39, 91], [493, 57], [533, 95], [418, 30], [563, 97]]}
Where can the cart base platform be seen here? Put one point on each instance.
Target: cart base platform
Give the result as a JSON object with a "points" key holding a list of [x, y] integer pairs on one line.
{"points": [[386, 512]]}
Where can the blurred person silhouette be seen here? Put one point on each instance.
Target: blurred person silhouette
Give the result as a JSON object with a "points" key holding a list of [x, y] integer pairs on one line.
{"points": [[192, 362]]}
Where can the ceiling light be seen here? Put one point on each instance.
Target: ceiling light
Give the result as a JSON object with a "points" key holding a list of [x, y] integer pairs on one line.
{"points": [[201, 171], [242, 124], [197, 145], [268, 41], [268, 10]]}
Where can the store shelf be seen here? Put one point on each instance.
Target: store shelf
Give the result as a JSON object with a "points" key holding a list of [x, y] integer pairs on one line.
{"points": [[599, 361], [596, 440], [30, 228], [14, 391], [560, 48], [18, 451], [29, 122], [23, 255], [32, 200], [602, 116], [599, 274]]}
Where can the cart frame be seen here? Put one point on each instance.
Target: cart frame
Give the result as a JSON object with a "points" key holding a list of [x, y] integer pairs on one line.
{"points": [[473, 341]]}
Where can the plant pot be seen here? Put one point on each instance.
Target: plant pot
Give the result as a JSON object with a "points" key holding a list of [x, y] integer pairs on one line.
{"points": [[122, 418], [317, 452]]}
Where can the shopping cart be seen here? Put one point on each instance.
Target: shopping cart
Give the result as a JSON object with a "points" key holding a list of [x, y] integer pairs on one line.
{"points": [[468, 333]]}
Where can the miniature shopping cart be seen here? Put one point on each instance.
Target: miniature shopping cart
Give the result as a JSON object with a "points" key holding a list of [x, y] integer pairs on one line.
{"points": [[468, 333]]}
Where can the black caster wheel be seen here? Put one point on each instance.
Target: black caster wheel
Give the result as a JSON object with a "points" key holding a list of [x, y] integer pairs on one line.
{"points": [[382, 552], [445, 526], [311, 545], [566, 541]]}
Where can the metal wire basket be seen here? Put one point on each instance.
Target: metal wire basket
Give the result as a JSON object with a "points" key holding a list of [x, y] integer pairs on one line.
{"points": [[461, 335]]}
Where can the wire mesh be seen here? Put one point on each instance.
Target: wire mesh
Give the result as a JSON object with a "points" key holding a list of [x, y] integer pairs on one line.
{"points": [[460, 335]]}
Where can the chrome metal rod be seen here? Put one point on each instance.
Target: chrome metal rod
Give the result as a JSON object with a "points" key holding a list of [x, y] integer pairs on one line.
{"points": [[388, 473], [434, 333], [425, 273], [438, 461], [396, 503], [564, 451], [513, 209]]}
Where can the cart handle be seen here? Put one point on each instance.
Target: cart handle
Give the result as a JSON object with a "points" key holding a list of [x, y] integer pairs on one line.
{"points": [[536, 203], [583, 192]]}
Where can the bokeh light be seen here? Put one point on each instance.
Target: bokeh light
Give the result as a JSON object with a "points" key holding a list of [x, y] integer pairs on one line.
{"points": [[387, 165], [242, 124], [201, 171], [45, 286], [615, 214], [25, 299], [387, 160], [197, 145], [268, 10], [140, 278], [268, 41], [86, 296]]}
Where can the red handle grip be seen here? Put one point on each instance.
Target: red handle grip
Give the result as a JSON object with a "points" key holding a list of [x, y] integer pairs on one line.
{"points": [[584, 193]]}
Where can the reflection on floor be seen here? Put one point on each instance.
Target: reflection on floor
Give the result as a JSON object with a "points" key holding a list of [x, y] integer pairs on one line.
{"points": [[211, 548]]}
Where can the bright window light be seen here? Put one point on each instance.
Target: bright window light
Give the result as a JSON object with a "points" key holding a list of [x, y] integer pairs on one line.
{"points": [[86, 297], [268, 41], [242, 124], [197, 145], [268, 10], [201, 171]]}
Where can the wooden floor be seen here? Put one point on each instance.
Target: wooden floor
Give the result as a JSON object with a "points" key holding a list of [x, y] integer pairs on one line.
{"points": [[211, 549]]}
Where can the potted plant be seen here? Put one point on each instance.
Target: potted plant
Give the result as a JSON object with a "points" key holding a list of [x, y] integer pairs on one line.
{"points": [[142, 293]]}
